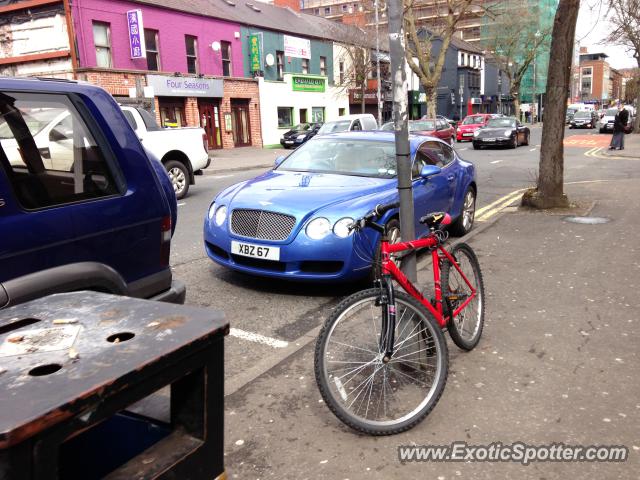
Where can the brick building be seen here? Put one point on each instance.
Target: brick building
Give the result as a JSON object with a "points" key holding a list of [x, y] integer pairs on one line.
{"points": [[598, 82]]}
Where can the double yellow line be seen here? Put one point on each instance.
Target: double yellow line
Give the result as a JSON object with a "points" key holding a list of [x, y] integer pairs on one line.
{"points": [[595, 153], [484, 213]]}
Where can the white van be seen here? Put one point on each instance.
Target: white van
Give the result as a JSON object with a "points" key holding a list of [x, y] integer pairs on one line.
{"points": [[346, 123]]}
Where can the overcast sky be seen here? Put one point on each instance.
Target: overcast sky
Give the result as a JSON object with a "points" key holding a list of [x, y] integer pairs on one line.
{"points": [[592, 27]]}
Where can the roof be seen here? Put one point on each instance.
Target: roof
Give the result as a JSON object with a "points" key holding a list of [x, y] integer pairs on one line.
{"points": [[256, 14], [463, 45]]}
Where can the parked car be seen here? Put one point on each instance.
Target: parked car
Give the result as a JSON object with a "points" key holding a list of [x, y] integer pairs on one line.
{"points": [[429, 127], [505, 131], [453, 123], [470, 124], [182, 151], [584, 119], [569, 115], [86, 208], [299, 134], [606, 122], [433, 127], [347, 123], [292, 222]]}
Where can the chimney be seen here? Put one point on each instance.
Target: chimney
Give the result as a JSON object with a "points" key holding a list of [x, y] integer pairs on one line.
{"points": [[584, 50], [292, 4]]}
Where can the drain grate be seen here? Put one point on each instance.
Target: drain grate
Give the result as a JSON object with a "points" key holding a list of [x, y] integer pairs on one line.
{"points": [[587, 220]]}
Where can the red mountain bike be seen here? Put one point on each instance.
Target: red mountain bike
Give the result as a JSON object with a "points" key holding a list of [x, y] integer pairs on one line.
{"points": [[381, 359]]}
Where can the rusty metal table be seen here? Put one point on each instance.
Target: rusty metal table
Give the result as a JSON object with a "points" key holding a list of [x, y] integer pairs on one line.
{"points": [[71, 364]]}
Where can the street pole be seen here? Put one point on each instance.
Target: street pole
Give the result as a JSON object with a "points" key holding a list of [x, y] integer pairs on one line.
{"points": [[378, 66], [401, 127]]}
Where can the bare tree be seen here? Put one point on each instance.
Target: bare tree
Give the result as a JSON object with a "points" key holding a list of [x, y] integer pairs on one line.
{"points": [[549, 192], [425, 61], [632, 88], [624, 16], [514, 38]]}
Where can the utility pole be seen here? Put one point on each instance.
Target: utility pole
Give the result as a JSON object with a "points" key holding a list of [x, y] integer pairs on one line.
{"points": [[401, 127], [378, 67]]}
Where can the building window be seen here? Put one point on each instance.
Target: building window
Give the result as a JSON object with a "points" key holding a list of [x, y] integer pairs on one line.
{"points": [[226, 58], [151, 44], [191, 44], [285, 117], [172, 112], [102, 41], [316, 11], [586, 71], [323, 66], [341, 112], [305, 65], [317, 114], [341, 70], [345, 8], [327, 10], [280, 64], [303, 115]]}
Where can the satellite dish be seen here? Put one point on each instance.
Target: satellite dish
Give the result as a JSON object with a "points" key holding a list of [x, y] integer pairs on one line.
{"points": [[269, 59], [215, 46]]}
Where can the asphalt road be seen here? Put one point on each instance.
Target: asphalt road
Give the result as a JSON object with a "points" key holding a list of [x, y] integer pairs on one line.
{"points": [[272, 318]]}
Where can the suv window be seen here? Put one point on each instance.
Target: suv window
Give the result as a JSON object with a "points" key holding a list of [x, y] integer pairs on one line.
{"points": [[48, 152], [356, 125]]}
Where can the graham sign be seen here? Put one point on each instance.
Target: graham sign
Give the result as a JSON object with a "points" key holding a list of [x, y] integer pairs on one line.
{"points": [[185, 86], [308, 84]]}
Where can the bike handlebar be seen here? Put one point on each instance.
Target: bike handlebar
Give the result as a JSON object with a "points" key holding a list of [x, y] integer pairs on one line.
{"points": [[378, 211]]}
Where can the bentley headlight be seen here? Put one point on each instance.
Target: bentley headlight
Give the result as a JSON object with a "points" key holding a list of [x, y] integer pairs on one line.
{"points": [[318, 228], [341, 227], [507, 133], [212, 210], [221, 215]]}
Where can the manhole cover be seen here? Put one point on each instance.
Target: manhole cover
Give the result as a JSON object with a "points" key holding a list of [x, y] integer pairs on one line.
{"points": [[587, 220]]}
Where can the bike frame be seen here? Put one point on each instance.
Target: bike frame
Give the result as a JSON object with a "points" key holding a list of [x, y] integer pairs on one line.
{"points": [[390, 269]]}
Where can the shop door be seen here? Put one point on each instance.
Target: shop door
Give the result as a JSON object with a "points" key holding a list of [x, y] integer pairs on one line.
{"points": [[240, 123], [210, 121]]}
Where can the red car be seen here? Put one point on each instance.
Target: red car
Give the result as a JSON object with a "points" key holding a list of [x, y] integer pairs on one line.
{"points": [[433, 127], [470, 124]]}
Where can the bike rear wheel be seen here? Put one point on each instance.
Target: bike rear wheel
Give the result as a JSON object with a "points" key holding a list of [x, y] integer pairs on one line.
{"points": [[364, 392], [466, 328]]}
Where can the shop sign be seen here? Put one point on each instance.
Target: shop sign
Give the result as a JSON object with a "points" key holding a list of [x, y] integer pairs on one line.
{"points": [[164, 85], [136, 34], [308, 84], [417, 97], [255, 53], [297, 47], [476, 101], [370, 96]]}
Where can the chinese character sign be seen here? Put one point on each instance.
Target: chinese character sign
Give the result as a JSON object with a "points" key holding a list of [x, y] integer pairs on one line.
{"points": [[136, 34], [255, 53]]}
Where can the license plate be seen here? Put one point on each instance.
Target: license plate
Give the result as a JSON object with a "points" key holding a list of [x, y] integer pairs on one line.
{"points": [[288, 141], [489, 139], [467, 134], [255, 251]]}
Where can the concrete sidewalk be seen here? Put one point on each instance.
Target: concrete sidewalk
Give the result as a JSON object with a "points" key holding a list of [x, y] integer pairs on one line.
{"points": [[558, 363], [242, 158], [631, 148]]}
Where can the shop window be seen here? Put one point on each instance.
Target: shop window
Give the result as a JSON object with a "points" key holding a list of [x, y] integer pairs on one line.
{"points": [[317, 114], [305, 65], [102, 41], [327, 10], [280, 64], [172, 113], [285, 117], [226, 58], [191, 44], [323, 66], [153, 54], [304, 117], [50, 156]]}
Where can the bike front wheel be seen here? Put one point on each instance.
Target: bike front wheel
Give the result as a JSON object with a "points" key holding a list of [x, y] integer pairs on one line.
{"points": [[363, 391], [465, 328]]}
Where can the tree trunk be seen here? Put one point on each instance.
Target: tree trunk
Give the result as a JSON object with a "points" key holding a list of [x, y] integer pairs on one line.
{"points": [[432, 102], [363, 90], [516, 100], [549, 192]]}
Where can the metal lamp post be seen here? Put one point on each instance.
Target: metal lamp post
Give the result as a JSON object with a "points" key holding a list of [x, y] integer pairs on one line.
{"points": [[378, 67]]}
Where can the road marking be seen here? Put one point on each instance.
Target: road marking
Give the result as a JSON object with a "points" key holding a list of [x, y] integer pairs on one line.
{"points": [[587, 141], [487, 211], [463, 149], [532, 149], [596, 153], [257, 338], [220, 176], [182, 203], [496, 161]]}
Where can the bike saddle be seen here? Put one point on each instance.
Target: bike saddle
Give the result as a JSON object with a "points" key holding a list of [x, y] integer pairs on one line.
{"points": [[436, 219]]}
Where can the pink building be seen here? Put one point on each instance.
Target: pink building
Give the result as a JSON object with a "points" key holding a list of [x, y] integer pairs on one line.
{"points": [[193, 63]]}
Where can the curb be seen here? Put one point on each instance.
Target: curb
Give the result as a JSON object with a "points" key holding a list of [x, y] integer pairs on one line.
{"points": [[209, 171]]}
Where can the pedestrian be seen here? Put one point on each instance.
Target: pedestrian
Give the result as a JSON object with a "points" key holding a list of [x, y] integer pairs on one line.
{"points": [[619, 126]]}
